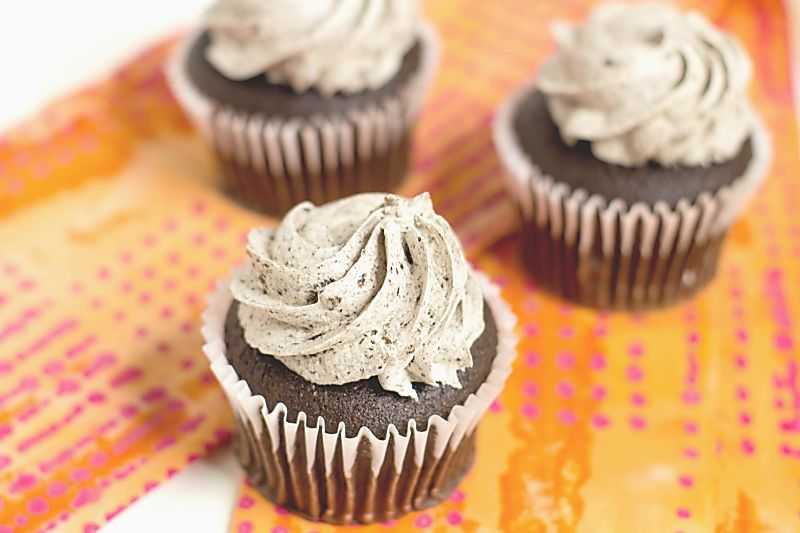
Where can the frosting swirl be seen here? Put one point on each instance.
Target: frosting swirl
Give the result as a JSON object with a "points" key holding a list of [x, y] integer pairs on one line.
{"points": [[648, 83], [329, 45], [371, 285]]}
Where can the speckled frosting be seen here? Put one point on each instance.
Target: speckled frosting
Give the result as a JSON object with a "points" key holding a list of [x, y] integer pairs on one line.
{"points": [[329, 45], [371, 285], [648, 83]]}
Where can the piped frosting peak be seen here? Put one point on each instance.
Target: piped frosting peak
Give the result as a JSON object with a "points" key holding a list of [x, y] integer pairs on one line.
{"points": [[371, 285]]}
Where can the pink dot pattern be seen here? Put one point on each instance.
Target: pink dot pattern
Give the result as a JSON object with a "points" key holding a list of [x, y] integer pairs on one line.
{"points": [[52, 343]]}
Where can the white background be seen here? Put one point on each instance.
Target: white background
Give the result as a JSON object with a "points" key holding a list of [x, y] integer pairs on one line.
{"points": [[48, 48]]}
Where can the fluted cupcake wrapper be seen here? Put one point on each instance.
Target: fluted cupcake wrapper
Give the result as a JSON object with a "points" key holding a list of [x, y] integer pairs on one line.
{"points": [[272, 163], [604, 253], [322, 473]]}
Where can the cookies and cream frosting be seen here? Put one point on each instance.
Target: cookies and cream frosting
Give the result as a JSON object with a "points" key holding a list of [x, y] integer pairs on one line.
{"points": [[328, 45], [648, 83], [371, 285]]}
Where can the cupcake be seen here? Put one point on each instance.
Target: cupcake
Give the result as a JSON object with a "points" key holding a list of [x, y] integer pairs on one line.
{"points": [[631, 155], [359, 351], [306, 100]]}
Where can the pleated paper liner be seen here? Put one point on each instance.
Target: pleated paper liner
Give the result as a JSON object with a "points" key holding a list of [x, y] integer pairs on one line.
{"points": [[603, 253], [271, 163], [325, 475]]}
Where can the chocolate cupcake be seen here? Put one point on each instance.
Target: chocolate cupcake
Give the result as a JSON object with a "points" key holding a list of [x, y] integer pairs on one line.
{"points": [[631, 156], [307, 100], [359, 351]]}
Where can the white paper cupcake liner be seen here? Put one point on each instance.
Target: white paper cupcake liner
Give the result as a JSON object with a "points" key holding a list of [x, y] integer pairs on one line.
{"points": [[322, 473], [273, 163], [602, 252]]}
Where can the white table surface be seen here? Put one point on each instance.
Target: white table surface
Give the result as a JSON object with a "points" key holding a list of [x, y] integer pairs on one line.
{"points": [[50, 47]]}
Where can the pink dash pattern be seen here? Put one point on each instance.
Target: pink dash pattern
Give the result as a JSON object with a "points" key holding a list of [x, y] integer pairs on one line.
{"points": [[45, 340]]}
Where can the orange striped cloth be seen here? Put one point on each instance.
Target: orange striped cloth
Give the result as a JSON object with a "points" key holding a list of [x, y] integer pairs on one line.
{"points": [[112, 232]]}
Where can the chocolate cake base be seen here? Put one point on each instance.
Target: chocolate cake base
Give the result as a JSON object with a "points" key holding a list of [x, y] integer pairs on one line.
{"points": [[601, 274], [359, 404], [578, 168], [259, 96], [369, 491]]}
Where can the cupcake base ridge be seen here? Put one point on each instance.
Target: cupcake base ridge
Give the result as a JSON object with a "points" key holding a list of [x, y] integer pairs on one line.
{"points": [[360, 496], [277, 189], [628, 252], [341, 475], [643, 278], [278, 148]]}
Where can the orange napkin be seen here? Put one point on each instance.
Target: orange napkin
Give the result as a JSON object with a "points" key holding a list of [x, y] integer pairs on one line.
{"points": [[112, 232], [680, 420]]}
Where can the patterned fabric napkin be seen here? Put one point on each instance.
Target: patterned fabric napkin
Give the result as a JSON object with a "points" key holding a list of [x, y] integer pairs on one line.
{"points": [[112, 232], [681, 420]]}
